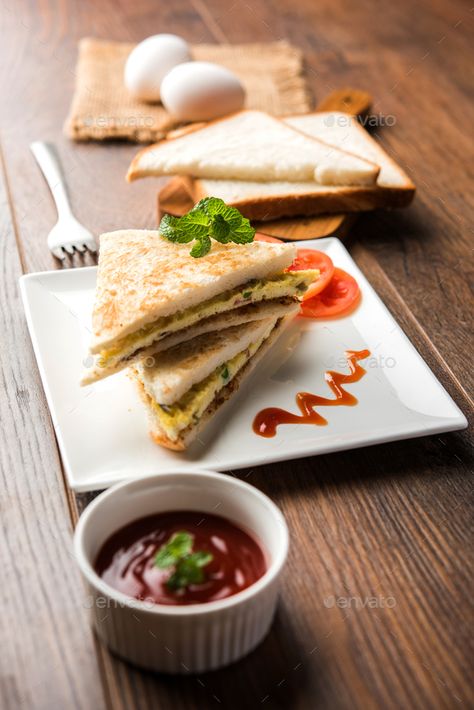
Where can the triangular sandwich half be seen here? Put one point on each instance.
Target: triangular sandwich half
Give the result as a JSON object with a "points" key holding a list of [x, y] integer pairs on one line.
{"points": [[251, 145], [186, 385], [152, 294]]}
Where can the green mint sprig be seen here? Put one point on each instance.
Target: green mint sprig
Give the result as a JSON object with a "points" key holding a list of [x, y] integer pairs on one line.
{"points": [[210, 219], [188, 565]]}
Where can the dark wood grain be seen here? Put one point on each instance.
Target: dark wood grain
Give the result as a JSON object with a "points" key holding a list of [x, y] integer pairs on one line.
{"points": [[390, 522], [41, 591]]}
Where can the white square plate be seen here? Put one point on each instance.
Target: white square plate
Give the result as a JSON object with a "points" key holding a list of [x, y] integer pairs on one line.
{"points": [[102, 429]]}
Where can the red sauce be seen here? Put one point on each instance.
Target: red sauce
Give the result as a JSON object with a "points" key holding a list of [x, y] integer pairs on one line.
{"points": [[267, 420], [126, 561]]}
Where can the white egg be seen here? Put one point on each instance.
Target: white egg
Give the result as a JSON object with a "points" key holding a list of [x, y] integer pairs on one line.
{"points": [[201, 91], [150, 61]]}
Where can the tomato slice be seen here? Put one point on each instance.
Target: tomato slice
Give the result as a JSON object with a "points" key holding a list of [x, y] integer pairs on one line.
{"points": [[339, 298], [313, 259], [259, 237]]}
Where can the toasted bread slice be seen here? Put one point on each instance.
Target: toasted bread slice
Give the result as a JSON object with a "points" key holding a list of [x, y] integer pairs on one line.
{"points": [[143, 277], [251, 145], [280, 199]]}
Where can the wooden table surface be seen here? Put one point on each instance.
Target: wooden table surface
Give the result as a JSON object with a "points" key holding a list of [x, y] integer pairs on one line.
{"points": [[391, 522]]}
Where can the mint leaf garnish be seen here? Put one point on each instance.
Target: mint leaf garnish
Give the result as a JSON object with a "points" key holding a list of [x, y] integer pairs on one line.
{"points": [[171, 228], [179, 545], [239, 229], [201, 247], [201, 558], [220, 229], [188, 566], [209, 218]]}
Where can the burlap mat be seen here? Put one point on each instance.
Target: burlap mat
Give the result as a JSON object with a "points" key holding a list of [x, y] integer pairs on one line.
{"points": [[102, 108]]}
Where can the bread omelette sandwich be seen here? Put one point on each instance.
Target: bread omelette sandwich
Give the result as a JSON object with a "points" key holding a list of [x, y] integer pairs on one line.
{"points": [[184, 387], [152, 295]]}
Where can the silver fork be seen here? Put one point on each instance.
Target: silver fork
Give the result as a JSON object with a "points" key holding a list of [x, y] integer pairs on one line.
{"points": [[67, 235]]}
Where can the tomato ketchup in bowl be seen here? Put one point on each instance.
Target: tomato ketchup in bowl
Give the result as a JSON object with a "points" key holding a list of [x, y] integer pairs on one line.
{"points": [[128, 561], [182, 570]]}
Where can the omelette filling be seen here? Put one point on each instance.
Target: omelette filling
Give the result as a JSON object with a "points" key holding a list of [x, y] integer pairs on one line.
{"points": [[286, 284], [174, 418]]}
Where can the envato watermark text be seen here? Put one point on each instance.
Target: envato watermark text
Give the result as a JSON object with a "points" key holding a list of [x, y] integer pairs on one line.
{"points": [[374, 361], [373, 120], [104, 121], [100, 602], [359, 602]]}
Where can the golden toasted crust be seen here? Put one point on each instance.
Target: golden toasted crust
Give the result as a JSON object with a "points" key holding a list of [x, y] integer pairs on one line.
{"points": [[142, 276], [184, 130], [163, 440], [189, 434], [345, 199]]}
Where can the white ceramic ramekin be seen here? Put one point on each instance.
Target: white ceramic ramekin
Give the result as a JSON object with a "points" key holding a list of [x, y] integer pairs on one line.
{"points": [[197, 637]]}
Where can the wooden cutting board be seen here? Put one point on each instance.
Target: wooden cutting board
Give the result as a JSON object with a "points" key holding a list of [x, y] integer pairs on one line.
{"points": [[174, 199]]}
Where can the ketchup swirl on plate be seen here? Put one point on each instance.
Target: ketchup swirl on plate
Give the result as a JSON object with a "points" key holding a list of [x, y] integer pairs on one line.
{"points": [[267, 420]]}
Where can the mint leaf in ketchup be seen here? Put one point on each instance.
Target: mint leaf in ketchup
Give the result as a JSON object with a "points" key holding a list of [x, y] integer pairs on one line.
{"points": [[188, 565]]}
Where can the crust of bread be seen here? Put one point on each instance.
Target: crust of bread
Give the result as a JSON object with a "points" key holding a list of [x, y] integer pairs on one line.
{"points": [[136, 172], [184, 130], [155, 432], [346, 199], [190, 433]]}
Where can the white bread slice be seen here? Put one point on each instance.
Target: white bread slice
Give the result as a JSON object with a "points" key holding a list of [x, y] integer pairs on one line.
{"points": [[187, 436], [142, 276], [251, 145], [167, 378], [279, 199]]}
